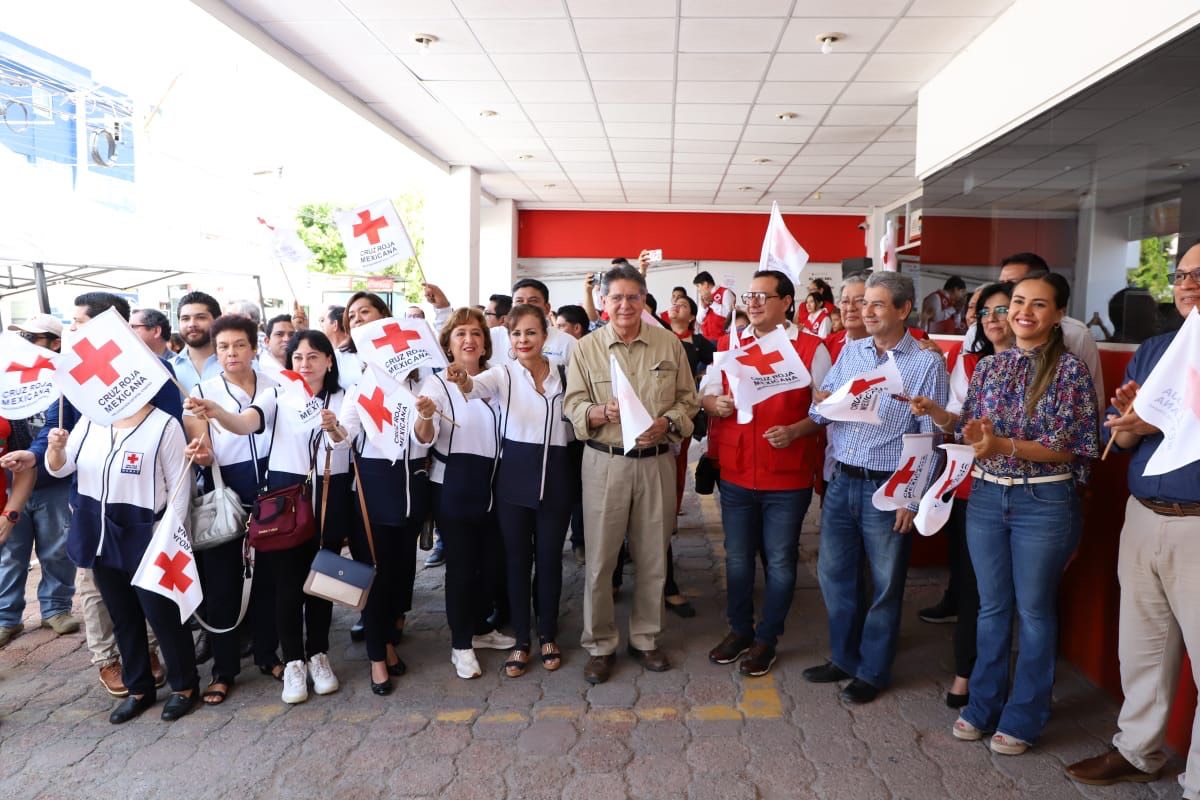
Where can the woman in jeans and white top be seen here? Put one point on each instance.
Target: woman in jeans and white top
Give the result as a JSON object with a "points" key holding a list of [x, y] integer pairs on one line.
{"points": [[466, 448], [1030, 414], [534, 487], [295, 454], [242, 461]]}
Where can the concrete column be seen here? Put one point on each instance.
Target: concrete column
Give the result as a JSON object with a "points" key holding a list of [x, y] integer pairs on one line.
{"points": [[1103, 257], [452, 241], [1189, 213], [497, 248]]}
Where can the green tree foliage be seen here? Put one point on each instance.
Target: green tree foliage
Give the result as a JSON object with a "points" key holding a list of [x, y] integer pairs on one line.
{"points": [[315, 225], [1151, 272]]}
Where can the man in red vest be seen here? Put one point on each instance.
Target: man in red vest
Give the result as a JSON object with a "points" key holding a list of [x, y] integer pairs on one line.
{"points": [[768, 468], [716, 306]]}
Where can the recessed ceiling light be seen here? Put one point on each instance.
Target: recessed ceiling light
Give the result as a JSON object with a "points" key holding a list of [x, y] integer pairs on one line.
{"points": [[487, 113], [745, 188], [762, 160], [784, 116], [525, 157], [827, 41], [1179, 166], [816, 196], [549, 185], [424, 40]]}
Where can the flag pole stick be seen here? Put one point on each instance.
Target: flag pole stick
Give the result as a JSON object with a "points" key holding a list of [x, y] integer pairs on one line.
{"points": [[183, 478], [60, 409], [1108, 446]]}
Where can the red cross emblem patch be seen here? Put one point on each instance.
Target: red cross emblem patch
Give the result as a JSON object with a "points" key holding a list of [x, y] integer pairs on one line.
{"points": [[131, 463]]}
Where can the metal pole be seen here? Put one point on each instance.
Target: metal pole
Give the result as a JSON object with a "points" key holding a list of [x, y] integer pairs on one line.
{"points": [[262, 303], [39, 278]]}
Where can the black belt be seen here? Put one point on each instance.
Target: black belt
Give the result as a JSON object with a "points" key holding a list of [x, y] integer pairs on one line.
{"points": [[861, 472], [1170, 508], [646, 452]]}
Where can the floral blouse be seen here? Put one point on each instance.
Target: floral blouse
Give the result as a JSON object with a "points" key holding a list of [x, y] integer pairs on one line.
{"points": [[1065, 419]]}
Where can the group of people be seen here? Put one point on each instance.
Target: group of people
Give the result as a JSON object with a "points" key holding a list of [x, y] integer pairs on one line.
{"points": [[520, 440]]}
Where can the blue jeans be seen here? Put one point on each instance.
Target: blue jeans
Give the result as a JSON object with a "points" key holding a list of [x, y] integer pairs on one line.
{"points": [[863, 630], [43, 524], [768, 521], [1020, 538]]}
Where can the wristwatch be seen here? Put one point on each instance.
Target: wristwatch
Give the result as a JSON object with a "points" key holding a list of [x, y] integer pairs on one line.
{"points": [[13, 516], [671, 426]]}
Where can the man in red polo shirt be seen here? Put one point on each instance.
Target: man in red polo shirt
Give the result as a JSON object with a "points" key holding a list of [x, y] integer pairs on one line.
{"points": [[716, 306], [768, 468]]}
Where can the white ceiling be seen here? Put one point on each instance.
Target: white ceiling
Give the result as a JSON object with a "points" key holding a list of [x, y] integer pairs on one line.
{"points": [[645, 102]]}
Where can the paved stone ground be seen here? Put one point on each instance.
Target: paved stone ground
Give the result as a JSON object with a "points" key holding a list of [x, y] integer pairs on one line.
{"points": [[698, 731]]}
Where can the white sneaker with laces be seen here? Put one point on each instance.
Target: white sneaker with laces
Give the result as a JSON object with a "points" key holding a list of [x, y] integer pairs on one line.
{"points": [[295, 682], [324, 681], [493, 640], [465, 663]]}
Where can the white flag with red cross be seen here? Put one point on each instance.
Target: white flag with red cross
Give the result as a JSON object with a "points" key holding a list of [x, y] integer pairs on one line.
{"points": [[374, 237], [1170, 400], [761, 368], [858, 399], [917, 463], [935, 506], [387, 410], [294, 392], [780, 250], [289, 249], [398, 346], [887, 248], [635, 419], [27, 380], [168, 566], [106, 371]]}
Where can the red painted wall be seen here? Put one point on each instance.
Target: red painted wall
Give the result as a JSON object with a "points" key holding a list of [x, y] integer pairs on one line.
{"points": [[680, 234], [985, 241]]}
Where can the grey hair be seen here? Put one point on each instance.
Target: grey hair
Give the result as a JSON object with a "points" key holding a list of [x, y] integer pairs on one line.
{"points": [[247, 308], [855, 277], [622, 273], [900, 286]]}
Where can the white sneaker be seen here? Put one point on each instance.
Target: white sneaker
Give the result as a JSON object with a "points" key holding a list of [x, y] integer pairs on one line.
{"points": [[494, 640], [295, 682], [324, 681], [465, 663]]}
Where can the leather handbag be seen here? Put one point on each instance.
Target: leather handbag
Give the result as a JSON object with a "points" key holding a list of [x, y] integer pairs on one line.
{"points": [[283, 519], [218, 516], [334, 577]]}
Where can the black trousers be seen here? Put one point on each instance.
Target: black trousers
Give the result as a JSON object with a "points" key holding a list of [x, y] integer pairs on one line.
{"points": [[222, 577], [575, 452], [297, 613], [669, 587], [531, 534], [475, 563], [391, 593], [965, 588], [131, 608]]}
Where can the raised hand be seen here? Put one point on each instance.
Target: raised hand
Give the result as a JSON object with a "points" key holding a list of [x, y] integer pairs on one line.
{"points": [[329, 420]]}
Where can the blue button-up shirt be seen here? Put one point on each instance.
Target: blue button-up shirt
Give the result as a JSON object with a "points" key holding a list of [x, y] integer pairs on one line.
{"points": [[185, 370], [1177, 486], [878, 447]]}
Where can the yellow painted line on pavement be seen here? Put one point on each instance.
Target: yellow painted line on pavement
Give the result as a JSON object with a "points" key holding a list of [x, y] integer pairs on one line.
{"points": [[265, 713], [557, 712], [661, 714], [760, 698], [611, 715], [714, 713], [457, 715], [504, 716]]}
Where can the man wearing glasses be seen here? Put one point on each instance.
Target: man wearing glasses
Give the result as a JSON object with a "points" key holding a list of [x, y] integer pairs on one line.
{"points": [[497, 310], [627, 491]]}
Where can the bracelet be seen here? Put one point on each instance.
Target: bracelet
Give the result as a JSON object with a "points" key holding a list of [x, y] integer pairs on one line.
{"points": [[1013, 454], [422, 416], [948, 427]]}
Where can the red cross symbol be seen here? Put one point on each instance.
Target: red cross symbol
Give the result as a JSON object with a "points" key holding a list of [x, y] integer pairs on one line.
{"points": [[1193, 390], [132, 458], [761, 361], [375, 408], [859, 386], [295, 377], [368, 226], [902, 477], [30, 374], [95, 363], [173, 578], [396, 337], [953, 468]]}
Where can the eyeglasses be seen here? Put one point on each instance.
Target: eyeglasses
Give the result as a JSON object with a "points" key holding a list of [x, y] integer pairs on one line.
{"points": [[617, 299], [1179, 277], [137, 325], [999, 311], [490, 314], [33, 337], [757, 298]]}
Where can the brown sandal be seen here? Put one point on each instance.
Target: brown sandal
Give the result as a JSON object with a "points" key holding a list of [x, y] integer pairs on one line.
{"points": [[551, 656], [518, 662]]}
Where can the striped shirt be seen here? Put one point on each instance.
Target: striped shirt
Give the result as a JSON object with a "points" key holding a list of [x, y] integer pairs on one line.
{"points": [[878, 447]]}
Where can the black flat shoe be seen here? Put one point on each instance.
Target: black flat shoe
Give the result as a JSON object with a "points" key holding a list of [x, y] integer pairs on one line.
{"points": [[358, 631], [683, 609], [957, 700], [859, 692], [179, 704], [131, 707], [382, 689], [826, 673], [398, 668]]}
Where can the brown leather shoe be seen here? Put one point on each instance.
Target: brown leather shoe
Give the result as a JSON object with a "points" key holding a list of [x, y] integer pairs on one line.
{"points": [[598, 668], [156, 669], [654, 660], [1108, 769], [758, 661], [110, 679]]}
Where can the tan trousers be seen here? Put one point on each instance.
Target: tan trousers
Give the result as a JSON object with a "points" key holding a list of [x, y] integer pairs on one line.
{"points": [[634, 496], [97, 624], [1160, 617]]}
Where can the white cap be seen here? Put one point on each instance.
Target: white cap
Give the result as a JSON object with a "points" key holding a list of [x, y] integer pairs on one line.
{"points": [[39, 323]]}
